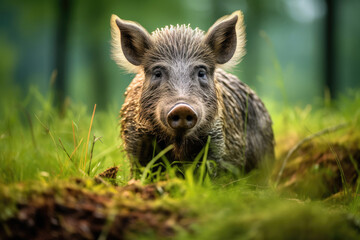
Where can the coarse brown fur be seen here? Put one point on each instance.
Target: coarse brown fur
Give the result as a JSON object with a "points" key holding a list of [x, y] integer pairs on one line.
{"points": [[228, 110]]}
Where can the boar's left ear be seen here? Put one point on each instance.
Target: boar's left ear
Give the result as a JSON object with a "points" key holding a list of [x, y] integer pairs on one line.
{"points": [[129, 43], [226, 38]]}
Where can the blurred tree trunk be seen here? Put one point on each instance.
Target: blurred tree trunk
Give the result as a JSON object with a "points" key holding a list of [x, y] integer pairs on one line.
{"points": [[61, 48], [253, 21], [330, 45], [100, 76], [97, 54], [253, 25]]}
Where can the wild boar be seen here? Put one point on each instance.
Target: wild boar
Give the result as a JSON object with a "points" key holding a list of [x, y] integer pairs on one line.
{"points": [[181, 95]]}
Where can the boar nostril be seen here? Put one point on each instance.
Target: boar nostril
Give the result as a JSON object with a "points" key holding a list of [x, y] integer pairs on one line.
{"points": [[181, 117], [175, 118]]}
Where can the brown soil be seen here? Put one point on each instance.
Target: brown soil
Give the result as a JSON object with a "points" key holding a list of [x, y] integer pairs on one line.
{"points": [[77, 211]]}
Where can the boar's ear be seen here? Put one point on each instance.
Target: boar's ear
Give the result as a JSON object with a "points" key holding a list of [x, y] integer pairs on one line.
{"points": [[129, 43], [226, 38]]}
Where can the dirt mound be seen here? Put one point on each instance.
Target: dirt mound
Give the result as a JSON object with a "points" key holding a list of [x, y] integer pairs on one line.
{"points": [[86, 210], [321, 168]]}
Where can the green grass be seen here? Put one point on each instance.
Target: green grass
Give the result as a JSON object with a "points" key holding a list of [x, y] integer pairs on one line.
{"points": [[243, 211], [39, 145]]}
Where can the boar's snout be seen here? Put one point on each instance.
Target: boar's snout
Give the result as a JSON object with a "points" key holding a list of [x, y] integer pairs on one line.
{"points": [[182, 117]]}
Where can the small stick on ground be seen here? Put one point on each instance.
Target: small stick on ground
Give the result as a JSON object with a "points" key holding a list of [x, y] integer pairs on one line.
{"points": [[299, 144]]}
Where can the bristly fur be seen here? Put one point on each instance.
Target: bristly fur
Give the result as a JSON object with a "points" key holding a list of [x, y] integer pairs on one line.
{"points": [[177, 42]]}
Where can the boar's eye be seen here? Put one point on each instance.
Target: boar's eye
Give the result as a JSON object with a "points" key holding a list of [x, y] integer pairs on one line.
{"points": [[202, 74], [157, 73]]}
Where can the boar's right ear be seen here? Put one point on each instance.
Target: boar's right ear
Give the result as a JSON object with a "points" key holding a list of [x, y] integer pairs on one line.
{"points": [[226, 38], [129, 43]]}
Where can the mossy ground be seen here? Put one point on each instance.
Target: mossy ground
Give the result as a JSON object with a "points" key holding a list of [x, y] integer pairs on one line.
{"points": [[53, 184]]}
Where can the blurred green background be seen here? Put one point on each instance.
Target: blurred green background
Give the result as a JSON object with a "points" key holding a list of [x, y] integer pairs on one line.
{"points": [[297, 50]]}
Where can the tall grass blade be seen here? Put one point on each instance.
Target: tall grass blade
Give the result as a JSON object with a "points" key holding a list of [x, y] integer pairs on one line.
{"points": [[203, 164], [73, 131], [151, 163], [88, 137], [342, 174]]}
